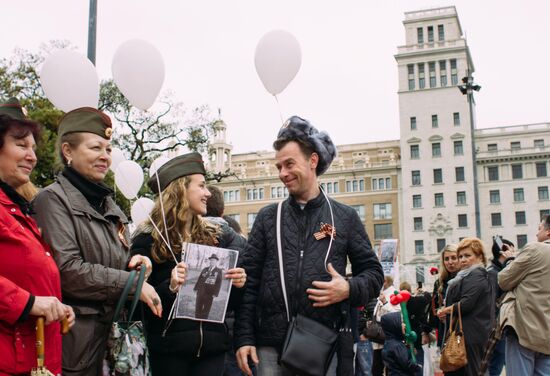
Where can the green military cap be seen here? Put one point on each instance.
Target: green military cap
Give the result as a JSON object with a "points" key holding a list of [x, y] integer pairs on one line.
{"points": [[86, 119], [183, 165], [13, 109]]}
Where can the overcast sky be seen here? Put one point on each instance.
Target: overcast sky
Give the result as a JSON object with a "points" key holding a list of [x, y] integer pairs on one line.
{"points": [[347, 84]]}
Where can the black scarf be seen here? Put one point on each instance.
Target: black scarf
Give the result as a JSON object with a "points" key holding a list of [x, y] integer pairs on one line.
{"points": [[95, 193], [17, 199]]}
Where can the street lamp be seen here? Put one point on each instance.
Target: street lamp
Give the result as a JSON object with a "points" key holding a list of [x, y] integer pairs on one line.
{"points": [[467, 88], [92, 24]]}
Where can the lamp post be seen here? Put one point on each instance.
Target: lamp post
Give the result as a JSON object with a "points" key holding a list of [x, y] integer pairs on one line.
{"points": [[467, 88], [92, 24]]}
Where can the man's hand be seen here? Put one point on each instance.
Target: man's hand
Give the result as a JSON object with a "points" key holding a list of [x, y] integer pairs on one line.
{"points": [[327, 293], [242, 358]]}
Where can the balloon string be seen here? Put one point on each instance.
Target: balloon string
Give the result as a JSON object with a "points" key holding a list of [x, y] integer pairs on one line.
{"points": [[162, 209], [279, 108]]}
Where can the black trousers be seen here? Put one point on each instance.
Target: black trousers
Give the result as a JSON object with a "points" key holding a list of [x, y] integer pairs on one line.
{"points": [[179, 365], [203, 305]]}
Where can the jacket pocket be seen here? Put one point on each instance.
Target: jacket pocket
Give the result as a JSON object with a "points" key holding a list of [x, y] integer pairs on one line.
{"points": [[84, 345]]}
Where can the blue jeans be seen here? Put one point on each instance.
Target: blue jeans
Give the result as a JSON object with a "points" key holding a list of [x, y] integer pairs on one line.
{"points": [[497, 360], [521, 361], [268, 365], [363, 362]]}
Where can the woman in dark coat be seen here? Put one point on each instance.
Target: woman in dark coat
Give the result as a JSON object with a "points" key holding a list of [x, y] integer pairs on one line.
{"points": [[29, 278], [449, 266], [472, 289], [183, 346], [88, 234]]}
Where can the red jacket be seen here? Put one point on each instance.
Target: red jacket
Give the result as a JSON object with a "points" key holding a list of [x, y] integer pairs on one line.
{"points": [[26, 267]]}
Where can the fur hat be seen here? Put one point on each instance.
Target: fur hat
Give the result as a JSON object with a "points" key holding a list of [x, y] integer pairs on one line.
{"points": [[296, 128]]}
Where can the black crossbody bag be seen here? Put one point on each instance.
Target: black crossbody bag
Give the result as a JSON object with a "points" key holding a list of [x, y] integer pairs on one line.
{"points": [[309, 346]]}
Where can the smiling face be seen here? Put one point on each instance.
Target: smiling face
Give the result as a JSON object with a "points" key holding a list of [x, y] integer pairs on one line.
{"points": [[297, 171], [197, 194], [450, 261], [17, 159], [91, 158], [468, 258]]}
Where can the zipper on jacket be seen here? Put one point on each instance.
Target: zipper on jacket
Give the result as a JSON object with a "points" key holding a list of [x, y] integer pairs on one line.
{"points": [[200, 344]]}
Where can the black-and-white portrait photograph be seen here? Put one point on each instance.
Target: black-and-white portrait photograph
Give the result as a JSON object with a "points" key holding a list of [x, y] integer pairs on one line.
{"points": [[388, 250], [205, 294]]}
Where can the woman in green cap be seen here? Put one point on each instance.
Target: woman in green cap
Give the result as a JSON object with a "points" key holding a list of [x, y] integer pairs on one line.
{"points": [[183, 347], [89, 236]]}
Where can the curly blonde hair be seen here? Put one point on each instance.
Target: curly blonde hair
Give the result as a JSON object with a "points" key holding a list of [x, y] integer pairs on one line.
{"points": [[475, 245], [177, 213]]}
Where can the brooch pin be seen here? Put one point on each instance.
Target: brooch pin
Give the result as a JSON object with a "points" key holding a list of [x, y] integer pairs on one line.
{"points": [[325, 230]]}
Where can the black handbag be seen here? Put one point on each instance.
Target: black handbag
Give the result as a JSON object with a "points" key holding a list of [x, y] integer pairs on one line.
{"points": [[309, 346], [373, 331]]}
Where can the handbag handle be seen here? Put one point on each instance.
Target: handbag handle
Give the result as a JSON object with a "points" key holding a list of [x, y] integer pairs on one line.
{"points": [[126, 291], [459, 318]]}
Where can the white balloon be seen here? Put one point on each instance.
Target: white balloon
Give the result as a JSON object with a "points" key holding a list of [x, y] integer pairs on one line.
{"points": [[70, 80], [277, 59], [141, 209], [138, 71], [157, 163], [129, 178], [117, 156]]}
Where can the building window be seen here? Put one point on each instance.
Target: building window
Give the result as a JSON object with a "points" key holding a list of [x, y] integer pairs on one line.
{"points": [[420, 35], [388, 183], [538, 143], [255, 194], [443, 73], [517, 171], [328, 187], [430, 34], [251, 217], [461, 198], [417, 201], [438, 176], [494, 196], [381, 184], [520, 218], [415, 152], [544, 213], [515, 145], [431, 71], [492, 147], [383, 231], [357, 185], [280, 192], [382, 211], [413, 123], [521, 241], [462, 220], [456, 119], [435, 123], [421, 76], [440, 33], [518, 195], [493, 173], [541, 169], [438, 200], [496, 219], [454, 72], [459, 150], [419, 247], [360, 209], [543, 193], [436, 150], [410, 69], [417, 223], [415, 177], [441, 243], [459, 174], [232, 195]]}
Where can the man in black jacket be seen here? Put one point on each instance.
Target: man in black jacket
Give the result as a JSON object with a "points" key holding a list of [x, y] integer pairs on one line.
{"points": [[313, 265]]}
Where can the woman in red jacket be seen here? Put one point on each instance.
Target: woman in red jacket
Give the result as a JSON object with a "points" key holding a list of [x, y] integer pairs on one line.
{"points": [[29, 278]]}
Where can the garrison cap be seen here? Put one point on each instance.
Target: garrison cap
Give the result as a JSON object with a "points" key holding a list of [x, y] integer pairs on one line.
{"points": [[175, 168], [13, 109], [86, 119]]}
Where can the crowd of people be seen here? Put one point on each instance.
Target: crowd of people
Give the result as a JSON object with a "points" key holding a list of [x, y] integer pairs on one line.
{"points": [[67, 255]]}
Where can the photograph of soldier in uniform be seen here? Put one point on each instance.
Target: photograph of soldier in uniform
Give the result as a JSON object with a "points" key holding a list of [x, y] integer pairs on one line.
{"points": [[205, 294]]}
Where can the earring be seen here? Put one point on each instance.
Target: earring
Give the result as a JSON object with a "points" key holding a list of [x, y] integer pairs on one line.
{"points": [[69, 161]]}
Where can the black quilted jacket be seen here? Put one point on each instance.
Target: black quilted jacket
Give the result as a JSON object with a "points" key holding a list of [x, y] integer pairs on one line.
{"points": [[262, 319]]}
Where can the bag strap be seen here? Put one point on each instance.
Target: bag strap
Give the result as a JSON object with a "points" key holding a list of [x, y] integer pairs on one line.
{"points": [[126, 291], [451, 322], [280, 254], [459, 318]]}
